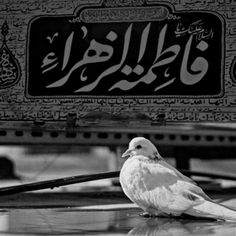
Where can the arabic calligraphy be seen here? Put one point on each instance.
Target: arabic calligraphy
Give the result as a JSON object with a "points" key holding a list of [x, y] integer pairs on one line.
{"points": [[195, 28], [9, 68], [145, 54], [123, 14], [165, 57]]}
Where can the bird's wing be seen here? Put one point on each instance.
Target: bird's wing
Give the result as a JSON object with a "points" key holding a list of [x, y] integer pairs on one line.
{"points": [[168, 188], [179, 174], [193, 190]]}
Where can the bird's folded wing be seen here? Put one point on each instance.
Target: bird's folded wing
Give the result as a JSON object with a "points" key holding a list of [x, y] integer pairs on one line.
{"points": [[192, 189], [171, 186]]}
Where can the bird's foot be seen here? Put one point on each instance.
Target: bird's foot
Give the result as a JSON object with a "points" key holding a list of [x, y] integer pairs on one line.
{"points": [[146, 214], [153, 215]]}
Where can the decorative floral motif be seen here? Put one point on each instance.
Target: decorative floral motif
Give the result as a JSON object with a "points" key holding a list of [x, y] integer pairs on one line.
{"points": [[9, 66]]}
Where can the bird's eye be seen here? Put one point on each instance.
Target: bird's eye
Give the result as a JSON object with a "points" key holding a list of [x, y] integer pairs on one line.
{"points": [[139, 147]]}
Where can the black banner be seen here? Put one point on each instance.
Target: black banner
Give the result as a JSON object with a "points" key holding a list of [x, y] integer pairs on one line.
{"points": [[126, 51]]}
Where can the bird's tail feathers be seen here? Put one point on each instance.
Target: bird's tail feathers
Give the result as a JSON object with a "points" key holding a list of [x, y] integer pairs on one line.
{"points": [[212, 210]]}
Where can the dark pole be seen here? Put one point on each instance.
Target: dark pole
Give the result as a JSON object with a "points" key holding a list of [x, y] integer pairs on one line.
{"points": [[90, 177], [57, 182]]}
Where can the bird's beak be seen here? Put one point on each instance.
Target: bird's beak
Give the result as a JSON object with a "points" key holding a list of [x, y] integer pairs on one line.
{"points": [[127, 153]]}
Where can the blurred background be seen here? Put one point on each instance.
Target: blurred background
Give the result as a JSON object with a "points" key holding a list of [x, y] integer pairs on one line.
{"points": [[25, 164]]}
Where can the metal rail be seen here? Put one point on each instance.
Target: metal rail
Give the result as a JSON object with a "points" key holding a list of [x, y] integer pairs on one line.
{"points": [[181, 142], [162, 136]]}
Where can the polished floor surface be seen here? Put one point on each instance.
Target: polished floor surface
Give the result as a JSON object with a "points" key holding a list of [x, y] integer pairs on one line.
{"points": [[106, 213]]}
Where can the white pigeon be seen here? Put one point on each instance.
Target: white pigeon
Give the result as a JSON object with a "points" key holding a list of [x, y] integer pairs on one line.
{"points": [[161, 190]]}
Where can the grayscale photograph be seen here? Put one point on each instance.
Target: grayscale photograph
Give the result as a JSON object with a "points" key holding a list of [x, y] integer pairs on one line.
{"points": [[118, 117]]}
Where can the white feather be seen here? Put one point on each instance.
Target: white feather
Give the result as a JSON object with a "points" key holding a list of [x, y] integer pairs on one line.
{"points": [[159, 188]]}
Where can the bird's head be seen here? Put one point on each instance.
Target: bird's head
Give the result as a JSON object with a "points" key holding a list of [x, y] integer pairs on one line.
{"points": [[141, 146]]}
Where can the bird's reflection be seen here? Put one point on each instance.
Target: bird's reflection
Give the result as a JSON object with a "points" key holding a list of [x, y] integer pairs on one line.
{"points": [[162, 226]]}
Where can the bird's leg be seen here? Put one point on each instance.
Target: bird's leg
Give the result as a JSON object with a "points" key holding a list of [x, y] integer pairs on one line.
{"points": [[150, 212], [146, 214]]}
